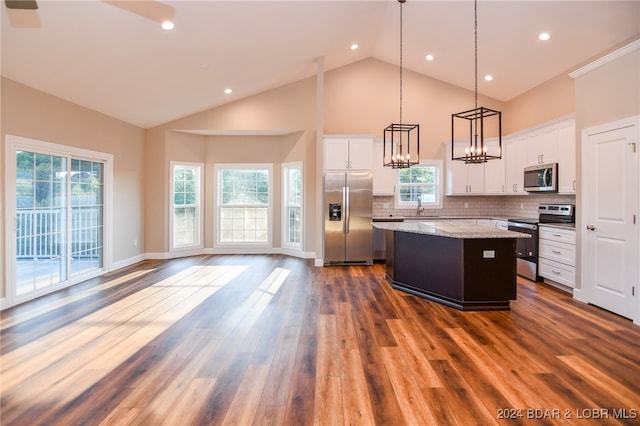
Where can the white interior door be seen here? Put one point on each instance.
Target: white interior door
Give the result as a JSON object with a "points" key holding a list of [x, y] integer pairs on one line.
{"points": [[610, 208]]}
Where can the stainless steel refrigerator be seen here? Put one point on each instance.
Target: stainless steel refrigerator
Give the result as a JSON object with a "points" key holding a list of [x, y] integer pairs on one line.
{"points": [[348, 208]]}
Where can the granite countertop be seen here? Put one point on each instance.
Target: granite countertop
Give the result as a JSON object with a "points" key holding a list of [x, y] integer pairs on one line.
{"points": [[449, 229]]}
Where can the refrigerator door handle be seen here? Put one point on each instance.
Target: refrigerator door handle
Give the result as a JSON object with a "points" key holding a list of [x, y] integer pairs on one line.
{"points": [[345, 195]]}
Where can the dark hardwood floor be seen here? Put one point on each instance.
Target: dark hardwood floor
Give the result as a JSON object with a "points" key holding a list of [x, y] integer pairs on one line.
{"points": [[273, 340]]}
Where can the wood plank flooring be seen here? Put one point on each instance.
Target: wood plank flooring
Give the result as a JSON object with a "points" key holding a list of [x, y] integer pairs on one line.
{"points": [[273, 340]]}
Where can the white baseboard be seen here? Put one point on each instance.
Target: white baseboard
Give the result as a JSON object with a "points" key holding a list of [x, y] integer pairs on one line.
{"points": [[580, 295], [126, 262], [198, 252], [319, 262]]}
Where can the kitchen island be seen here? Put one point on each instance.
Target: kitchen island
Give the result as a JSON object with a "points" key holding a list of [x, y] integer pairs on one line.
{"points": [[467, 267]]}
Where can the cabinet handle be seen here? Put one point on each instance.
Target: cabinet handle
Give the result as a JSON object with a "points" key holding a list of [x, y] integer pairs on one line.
{"points": [[556, 272], [574, 184], [556, 251], [557, 235]]}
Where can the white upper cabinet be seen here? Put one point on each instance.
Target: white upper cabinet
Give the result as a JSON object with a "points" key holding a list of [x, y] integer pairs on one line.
{"points": [[463, 179], [542, 146], [567, 157], [384, 178], [554, 142], [348, 153], [516, 161], [494, 170]]}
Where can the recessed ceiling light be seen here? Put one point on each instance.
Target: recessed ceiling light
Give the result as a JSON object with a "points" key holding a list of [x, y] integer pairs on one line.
{"points": [[168, 25], [429, 57], [354, 46], [544, 36], [227, 91], [488, 77]]}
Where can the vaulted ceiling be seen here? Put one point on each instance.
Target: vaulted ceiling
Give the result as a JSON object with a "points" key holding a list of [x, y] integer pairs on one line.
{"points": [[113, 57]]}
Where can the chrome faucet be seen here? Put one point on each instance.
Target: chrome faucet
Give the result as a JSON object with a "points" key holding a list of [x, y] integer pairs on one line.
{"points": [[420, 208]]}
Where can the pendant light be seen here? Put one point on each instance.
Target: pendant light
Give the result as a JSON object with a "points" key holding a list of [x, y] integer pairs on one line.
{"points": [[401, 141], [475, 149]]}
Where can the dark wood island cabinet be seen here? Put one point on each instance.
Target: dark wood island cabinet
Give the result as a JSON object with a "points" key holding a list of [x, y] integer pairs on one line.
{"points": [[467, 267]]}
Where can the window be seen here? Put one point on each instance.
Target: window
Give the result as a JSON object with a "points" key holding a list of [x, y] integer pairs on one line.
{"points": [[422, 181], [244, 204], [186, 217], [292, 205]]}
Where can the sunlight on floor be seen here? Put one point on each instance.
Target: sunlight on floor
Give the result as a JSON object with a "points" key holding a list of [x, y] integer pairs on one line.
{"points": [[68, 361], [34, 312]]}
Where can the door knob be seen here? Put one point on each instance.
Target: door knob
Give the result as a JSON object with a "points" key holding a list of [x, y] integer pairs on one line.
{"points": [[591, 227]]}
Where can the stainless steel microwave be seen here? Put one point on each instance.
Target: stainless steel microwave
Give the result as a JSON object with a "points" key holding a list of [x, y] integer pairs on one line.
{"points": [[541, 178]]}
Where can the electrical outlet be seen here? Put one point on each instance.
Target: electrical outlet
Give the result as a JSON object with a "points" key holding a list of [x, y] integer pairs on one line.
{"points": [[466, 205], [521, 206], [135, 243], [385, 205]]}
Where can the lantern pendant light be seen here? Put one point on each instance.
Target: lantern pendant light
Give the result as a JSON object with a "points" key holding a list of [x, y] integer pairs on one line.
{"points": [[401, 141], [475, 148]]}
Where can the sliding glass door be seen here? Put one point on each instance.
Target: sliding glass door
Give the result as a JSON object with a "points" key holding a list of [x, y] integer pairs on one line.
{"points": [[57, 198], [86, 227], [41, 216]]}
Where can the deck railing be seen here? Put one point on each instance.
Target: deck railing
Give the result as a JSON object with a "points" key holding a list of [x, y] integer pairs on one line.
{"points": [[41, 233]]}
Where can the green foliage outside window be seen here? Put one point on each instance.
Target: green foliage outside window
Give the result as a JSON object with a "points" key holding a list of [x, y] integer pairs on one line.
{"points": [[418, 181], [245, 186]]}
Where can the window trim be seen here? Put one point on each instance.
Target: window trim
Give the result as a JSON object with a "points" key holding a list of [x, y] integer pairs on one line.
{"points": [[438, 164], [285, 218], [217, 182], [199, 216]]}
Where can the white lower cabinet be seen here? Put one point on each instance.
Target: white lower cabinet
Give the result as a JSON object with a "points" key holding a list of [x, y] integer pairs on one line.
{"points": [[558, 272], [557, 255]]}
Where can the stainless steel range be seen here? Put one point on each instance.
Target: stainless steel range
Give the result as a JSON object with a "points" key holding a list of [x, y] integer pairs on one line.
{"points": [[527, 248]]}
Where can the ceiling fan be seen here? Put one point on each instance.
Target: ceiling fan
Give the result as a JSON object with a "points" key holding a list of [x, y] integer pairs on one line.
{"points": [[21, 4], [150, 9]]}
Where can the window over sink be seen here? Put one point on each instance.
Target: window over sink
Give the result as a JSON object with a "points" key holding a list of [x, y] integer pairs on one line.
{"points": [[421, 183]]}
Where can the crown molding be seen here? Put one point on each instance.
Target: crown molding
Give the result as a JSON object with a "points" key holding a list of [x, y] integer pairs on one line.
{"points": [[606, 59]]}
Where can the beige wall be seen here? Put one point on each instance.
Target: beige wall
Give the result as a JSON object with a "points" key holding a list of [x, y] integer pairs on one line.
{"points": [[609, 93], [552, 99], [273, 127], [365, 98], [29, 113]]}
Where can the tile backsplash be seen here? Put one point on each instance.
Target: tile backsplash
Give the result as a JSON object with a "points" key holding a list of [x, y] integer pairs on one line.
{"points": [[503, 206]]}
